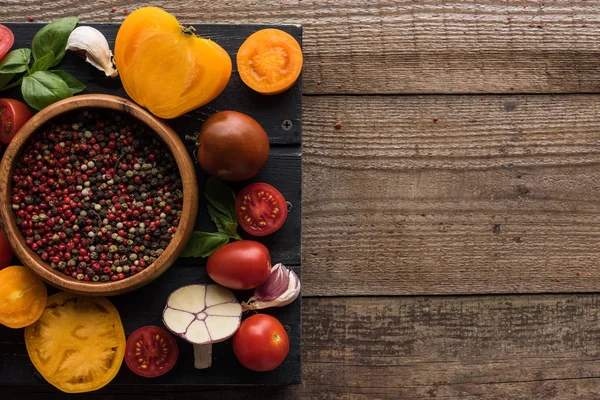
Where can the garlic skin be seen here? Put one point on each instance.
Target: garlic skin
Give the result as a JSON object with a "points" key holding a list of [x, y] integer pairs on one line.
{"points": [[91, 42], [282, 288]]}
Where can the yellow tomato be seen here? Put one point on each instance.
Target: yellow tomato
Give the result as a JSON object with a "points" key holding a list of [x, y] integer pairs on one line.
{"points": [[78, 344], [166, 67], [22, 297]]}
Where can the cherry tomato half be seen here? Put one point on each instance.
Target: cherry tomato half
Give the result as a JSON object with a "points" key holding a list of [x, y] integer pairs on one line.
{"points": [[151, 351], [6, 252], [240, 265], [233, 146], [13, 115], [6, 40], [261, 209], [261, 343]]}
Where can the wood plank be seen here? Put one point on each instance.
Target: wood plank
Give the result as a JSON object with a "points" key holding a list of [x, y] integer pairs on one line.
{"points": [[269, 111], [144, 306], [494, 347], [403, 46], [499, 195]]}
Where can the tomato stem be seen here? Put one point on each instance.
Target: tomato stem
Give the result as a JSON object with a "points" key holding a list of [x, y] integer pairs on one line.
{"points": [[189, 30]]}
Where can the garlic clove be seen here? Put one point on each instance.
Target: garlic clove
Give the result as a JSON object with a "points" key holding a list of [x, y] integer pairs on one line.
{"points": [[92, 43], [281, 289]]}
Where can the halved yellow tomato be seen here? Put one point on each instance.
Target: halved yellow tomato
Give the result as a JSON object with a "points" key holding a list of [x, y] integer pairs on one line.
{"points": [[78, 344], [22, 297]]}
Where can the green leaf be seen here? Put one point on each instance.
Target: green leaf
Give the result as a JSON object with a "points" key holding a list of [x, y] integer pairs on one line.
{"points": [[74, 85], [43, 88], [202, 244], [221, 197], [15, 62], [42, 64], [4, 79], [53, 37]]}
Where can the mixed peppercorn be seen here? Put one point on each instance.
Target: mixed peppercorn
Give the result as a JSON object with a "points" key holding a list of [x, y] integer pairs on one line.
{"points": [[97, 195]]}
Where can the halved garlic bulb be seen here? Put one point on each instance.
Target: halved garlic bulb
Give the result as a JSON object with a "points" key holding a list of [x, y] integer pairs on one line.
{"points": [[94, 47], [202, 315]]}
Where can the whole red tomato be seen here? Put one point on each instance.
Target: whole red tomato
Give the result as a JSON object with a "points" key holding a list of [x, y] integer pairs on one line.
{"points": [[6, 253], [13, 115], [240, 265], [233, 146], [261, 343]]}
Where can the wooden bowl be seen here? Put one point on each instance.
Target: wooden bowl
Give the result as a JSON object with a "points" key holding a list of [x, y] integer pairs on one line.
{"points": [[190, 197]]}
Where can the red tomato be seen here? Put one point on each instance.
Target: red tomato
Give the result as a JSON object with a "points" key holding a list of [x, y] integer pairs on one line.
{"points": [[261, 209], [6, 40], [240, 265], [261, 343], [151, 351], [13, 115], [6, 253]]}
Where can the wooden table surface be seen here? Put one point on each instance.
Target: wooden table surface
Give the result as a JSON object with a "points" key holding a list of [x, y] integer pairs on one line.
{"points": [[451, 225]]}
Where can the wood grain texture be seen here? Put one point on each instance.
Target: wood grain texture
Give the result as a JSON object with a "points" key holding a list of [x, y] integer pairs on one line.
{"points": [[401, 46], [144, 306], [493, 347], [498, 194]]}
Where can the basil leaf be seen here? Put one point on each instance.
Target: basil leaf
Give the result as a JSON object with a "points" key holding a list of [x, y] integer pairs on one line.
{"points": [[42, 64], [202, 244], [4, 79], [16, 61], [43, 88], [53, 37], [221, 197], [74, 85]]}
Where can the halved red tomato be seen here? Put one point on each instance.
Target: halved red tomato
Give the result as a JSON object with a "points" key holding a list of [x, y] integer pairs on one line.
{"points": [[13, 115], [6, 40], [151, 351], [261, 209]]}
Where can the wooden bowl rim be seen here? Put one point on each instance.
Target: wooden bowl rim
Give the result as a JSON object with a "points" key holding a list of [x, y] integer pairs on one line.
{"points": [[190, 196]]}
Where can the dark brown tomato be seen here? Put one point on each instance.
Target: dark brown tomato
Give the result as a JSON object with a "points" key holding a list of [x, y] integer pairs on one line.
{"points": [[261, 209], [151, 351], [13, 115], [240, 265], [233, 146]]}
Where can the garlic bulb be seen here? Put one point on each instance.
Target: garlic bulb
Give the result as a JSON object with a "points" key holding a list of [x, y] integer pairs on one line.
{"points": [[202, 315], [282, 288], [92, 43]]}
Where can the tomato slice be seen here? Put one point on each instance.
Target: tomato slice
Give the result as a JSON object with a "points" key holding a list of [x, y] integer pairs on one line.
{"points": [[13, 115], [6, 40], [261, 209], [78, 344], [151, 351]]}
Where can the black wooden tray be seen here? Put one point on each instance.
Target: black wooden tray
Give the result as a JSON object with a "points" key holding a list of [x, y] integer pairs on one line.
{"points": [[281, 116]]}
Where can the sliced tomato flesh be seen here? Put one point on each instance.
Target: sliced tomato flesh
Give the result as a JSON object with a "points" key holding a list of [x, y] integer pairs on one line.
{"points": [[6, 40], [261, 209], [151, 351]]}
